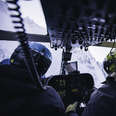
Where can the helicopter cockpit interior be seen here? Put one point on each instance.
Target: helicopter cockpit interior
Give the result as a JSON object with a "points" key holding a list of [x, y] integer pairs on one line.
{"points": [[81, 23]]}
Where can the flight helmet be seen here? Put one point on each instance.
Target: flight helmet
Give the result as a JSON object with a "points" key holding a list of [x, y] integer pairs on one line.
{"points": [[110, 62], [41, 55]]}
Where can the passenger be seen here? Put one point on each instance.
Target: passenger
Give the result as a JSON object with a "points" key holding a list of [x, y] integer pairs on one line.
{"points": [[19, 95], [103, 100], [5, 61]]}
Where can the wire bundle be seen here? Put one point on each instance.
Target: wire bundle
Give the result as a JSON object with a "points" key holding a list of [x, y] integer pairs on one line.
{"points": [[17, 20]]}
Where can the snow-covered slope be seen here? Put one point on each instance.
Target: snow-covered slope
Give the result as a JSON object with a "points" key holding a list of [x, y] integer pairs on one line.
{"points": [[6, 48], [32, 27], [88, 64], [6, 22]]}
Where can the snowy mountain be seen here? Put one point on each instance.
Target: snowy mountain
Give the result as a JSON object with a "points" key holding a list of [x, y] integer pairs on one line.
{"points": [[32, 27], [88, 64], [6, 22]]}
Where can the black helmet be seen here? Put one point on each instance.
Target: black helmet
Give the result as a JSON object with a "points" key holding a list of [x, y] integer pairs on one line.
{"points": [[110, 62], [42, 57]]}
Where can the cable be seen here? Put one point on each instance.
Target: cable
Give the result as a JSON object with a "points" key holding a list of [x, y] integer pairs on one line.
{"points": [[112, 47], [17, 20]]}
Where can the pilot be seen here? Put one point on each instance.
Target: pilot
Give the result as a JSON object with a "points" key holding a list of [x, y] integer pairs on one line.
{"points": [[103, 100], [19, 95]]}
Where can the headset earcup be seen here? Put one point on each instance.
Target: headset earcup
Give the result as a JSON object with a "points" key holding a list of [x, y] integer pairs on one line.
{"points": [[13, 57], [17, 57]]}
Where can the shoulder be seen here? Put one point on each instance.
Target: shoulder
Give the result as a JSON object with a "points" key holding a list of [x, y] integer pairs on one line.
{"points": [[102, 102], [103, 94], [47, 102]]}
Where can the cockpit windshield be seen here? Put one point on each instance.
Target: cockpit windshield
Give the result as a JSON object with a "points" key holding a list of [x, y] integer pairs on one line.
{"points": [[88, 61], [34, 22], [32, 14]]}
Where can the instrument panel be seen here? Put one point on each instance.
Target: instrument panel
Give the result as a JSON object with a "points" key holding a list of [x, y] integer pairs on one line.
{"points": [[73, 87]]}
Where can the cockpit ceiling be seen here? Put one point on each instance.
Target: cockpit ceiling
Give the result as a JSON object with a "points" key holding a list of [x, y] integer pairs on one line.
{"points": [[87, 22]]}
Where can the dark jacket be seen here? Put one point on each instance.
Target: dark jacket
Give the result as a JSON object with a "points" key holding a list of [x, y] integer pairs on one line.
{"points": [[103, 100], [19, 96]]}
